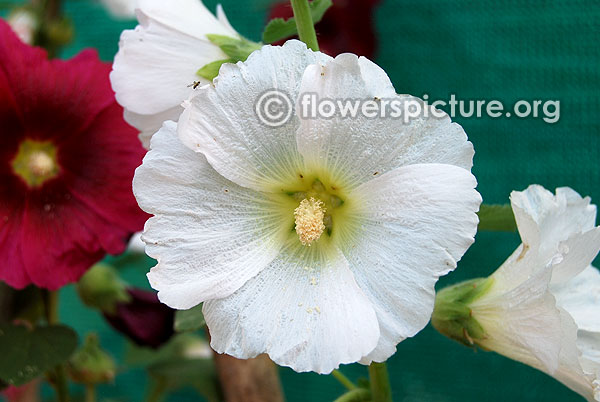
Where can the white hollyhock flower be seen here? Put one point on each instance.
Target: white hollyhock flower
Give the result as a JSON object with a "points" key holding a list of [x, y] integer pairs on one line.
{"points": [[24, 23], [318, 242], [158, 60], [542, 306], [121, 8]]}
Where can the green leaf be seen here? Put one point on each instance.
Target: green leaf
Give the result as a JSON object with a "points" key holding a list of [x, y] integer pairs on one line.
{"points": [[211, 70], [26, 354], [238, 49], [498, 218], [189, 320], [278, 28]]}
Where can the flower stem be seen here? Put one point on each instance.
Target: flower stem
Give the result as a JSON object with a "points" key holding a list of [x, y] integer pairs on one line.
{"points": [[381, 390], [90, 393], [345, 381], [304, 23], [157, 391], [58, 376], [356, 395]]}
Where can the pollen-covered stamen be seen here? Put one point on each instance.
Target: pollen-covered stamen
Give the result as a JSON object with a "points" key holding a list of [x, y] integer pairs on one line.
{"points": [[40, 163], [309, 217], [36, 162]]}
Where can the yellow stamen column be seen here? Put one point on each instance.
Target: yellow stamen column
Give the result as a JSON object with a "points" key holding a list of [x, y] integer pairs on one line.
{"points": [[309, 220]]}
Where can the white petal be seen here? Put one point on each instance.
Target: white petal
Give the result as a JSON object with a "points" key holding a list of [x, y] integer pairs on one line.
{"points": [[581, 298], [576, 253], [221, 121], [209, 235], [157, 62], [150, 124], [513, 316], [305, 310], [544, 220], [411, 226], [187, 16], [223, 18], [354, 149], [579, 367], [589, 345]]}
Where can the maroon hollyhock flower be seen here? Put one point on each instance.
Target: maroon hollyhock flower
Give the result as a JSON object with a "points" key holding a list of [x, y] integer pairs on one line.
{"points": [[143, 319], [346, 27], [67, 160]]}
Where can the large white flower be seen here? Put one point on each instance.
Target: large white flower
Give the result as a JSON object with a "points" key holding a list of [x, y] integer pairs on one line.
{"points": [[318, 242], [542, 306], [156, 65]]}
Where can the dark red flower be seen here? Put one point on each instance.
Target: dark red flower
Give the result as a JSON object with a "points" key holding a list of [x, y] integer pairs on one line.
{"points": [[346, 27], [67, 160], [143, 319]]}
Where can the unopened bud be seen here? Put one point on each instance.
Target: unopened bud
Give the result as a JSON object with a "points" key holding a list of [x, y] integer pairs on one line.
{"points": [[90, 364], [102, 288]]}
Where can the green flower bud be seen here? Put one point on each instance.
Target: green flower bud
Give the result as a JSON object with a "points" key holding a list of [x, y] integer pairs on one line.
{"points": [[90, 364], [102, 288], [452, 315]]}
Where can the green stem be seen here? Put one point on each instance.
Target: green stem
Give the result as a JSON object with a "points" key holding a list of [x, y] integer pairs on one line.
{"points": [[345, 381], [304, 23], [157, 391], [58, 375], [380, 383], [356, 395], [90, 393]]}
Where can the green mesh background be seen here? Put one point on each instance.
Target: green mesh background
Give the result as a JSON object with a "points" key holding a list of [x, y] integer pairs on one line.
{"points": [[501, 49]]}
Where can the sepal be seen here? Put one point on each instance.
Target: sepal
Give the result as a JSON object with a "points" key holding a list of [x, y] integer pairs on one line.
{"points": [[452, 315]]}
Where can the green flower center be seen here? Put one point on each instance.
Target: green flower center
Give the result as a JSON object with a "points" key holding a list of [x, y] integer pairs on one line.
{"points": [[36, 162], [318, 206]]}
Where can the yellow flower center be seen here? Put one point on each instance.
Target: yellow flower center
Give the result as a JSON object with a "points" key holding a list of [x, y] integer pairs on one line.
{"points": [[35, 162], [309, 220]]}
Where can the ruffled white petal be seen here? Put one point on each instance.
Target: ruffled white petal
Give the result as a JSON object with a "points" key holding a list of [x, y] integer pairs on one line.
{"points": [[354, 150], [208, 234], [545, 219], [556, 230], [221, 122], [411, 226], [305, 310]]}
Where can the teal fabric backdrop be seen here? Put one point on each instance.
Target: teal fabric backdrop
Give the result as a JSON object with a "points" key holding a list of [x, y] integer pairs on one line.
{"points": [[501, 49]]}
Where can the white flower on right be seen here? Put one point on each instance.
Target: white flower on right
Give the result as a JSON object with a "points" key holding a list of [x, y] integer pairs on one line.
{"points": [[542, 306], [156, 65]]}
